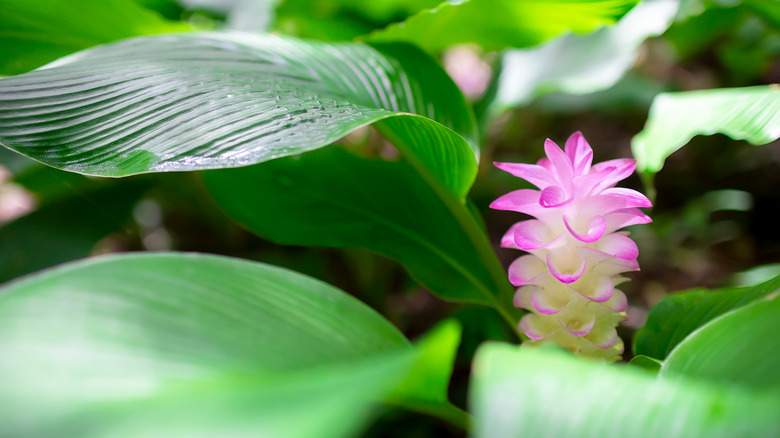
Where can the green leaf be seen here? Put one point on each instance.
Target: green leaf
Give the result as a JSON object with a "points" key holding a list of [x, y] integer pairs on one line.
{"points": [[521, 392], [580, 64], [739, 347], [645, 363], [68, 227], [343, 20], [679, 314], [33, 33], [333, 198], [425, 387], [750, 113], [499, 24], [215, 100], [149, 344]]}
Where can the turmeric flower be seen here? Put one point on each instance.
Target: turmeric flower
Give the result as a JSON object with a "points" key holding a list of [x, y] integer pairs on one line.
{"points": [[576, 253]]}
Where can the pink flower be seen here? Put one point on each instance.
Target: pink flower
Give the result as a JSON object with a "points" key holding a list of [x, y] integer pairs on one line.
{"points": [[576, 253]]}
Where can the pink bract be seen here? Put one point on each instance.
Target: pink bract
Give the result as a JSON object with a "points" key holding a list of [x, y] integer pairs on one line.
{"points": [[576, 254]]}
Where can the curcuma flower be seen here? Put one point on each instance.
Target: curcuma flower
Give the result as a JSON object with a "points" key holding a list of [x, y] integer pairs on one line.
{"points": [[576, 253]]}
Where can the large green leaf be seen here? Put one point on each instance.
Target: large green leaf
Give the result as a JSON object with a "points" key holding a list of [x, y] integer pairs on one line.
{"points": [[33, 33], [332, 198], [580, 64], [521, 392], [751, 114], [145, 344], [739, 347], [499, 24], [214, 100], [679, 314]]}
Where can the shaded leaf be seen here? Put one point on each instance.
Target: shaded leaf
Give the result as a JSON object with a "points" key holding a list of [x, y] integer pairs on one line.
{"points": [[739, 347], [519, 392], [499, 24], [343, 20], [33, 33], [68, 227], [679, 314], [214, 100], [645, 363], [332, 198], [750, 113]]}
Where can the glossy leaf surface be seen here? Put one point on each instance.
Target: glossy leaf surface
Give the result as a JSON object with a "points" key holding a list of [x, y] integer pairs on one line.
{"points": [[214, 100], [139, 343], [750, 113], [333, 198], [679, 314], [519, 392], [499, 24]]}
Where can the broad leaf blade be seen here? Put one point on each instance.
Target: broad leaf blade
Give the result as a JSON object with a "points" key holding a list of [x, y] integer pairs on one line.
{"points": [[580, 64], [332, 198], [518, 392], [215, 100], [33, 33], [679, 314], [499, 24], [123, 331], [750, 113], [339, 400], [739, 347]]}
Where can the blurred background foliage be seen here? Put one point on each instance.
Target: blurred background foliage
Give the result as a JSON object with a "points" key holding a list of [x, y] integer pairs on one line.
{"points": [[715, 213]]}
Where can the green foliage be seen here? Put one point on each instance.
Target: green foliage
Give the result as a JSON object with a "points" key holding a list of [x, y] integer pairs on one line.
{"points": [[738, 347], [214, 100], [645, 363], [68, 223], [139, 338], [33, 33], [183, 344], [680, 314], [751, 114], [499, 24], [520, 392], [343, 20], [332, 198]]}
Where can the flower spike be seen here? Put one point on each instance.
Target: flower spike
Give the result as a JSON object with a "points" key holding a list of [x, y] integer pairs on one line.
{"points": [[576, 253]]}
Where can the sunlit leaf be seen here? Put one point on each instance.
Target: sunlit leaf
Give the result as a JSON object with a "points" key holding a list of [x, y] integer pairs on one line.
{"points": [[425, 387], [521, 392], [194, 345], [33, 33], [580, 64], [213, 100], [679, 314], [499, 24], [751, 114], [739, 347], [332, 198]]}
